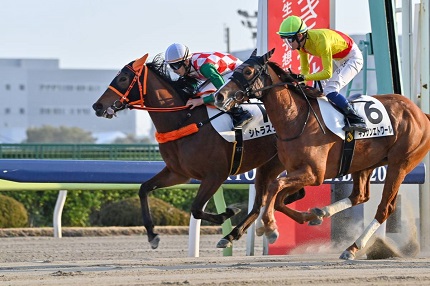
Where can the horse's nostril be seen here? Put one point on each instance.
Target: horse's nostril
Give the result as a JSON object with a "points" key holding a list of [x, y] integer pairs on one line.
{"points": [[219, 97]]}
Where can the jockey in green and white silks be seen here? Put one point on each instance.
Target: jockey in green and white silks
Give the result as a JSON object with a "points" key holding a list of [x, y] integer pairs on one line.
{"points": [[341, 61], [205, 66]]}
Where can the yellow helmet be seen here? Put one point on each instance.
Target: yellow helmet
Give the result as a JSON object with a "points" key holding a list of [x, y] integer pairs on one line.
{"points": [[291, 26]]}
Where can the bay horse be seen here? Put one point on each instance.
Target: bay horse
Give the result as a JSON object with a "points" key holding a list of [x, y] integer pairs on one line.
{"points": [[310, 155], [189, 146]]}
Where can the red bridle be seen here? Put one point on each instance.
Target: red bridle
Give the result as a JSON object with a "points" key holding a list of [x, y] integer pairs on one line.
{"points": [[137, 68]]}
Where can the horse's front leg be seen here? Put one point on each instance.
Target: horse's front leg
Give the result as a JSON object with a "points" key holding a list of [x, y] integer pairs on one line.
{"points": [[298, 216], [207, 189], [265, 174], [165, 178], [279, 190], [268, 216]]}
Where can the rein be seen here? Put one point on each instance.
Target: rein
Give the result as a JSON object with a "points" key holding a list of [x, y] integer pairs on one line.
{"points": [[251, 93], [139, 104], [140, 76], [310, 108]]}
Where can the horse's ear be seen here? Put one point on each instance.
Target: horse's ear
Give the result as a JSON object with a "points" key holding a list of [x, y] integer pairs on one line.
{"points": [[138, 64], [268, 55], [254, 53]]}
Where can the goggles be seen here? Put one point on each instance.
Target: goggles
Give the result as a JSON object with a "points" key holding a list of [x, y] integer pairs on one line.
{"points": [[289, 40], [177, 65]]}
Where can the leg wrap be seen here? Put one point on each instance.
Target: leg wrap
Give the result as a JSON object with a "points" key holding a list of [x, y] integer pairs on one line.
{"points": [[337, 207], [368, 232]]}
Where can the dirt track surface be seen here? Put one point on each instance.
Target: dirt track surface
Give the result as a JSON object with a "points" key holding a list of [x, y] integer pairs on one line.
{"points": [[128, 260]]}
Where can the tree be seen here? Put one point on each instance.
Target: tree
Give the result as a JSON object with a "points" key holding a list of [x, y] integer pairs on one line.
{"points": [[62, 134], [132, 139]]}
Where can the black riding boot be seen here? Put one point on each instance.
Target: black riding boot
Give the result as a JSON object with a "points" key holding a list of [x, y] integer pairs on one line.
{"points": [[353, 121], [240, 116]]}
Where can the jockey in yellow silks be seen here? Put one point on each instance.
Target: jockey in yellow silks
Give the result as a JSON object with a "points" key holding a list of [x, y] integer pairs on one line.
{"points": [[341, 61]]}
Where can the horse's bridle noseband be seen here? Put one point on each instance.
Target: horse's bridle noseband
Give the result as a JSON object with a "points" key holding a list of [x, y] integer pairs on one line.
{"points": [[141, 85], [246, 84], [246, 87], [140, 76]]}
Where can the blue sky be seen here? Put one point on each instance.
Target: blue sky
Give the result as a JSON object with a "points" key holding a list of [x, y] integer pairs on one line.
{"points": [[106, 34]]}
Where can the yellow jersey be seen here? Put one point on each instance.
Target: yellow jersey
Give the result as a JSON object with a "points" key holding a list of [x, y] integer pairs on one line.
{"points": [[326, 44]]}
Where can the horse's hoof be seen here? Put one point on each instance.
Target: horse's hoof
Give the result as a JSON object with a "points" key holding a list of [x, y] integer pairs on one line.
{"points": [[318, 212], [320, 215], [155, 241], [317, 221], [223, 243], [347, 255], [272, 236], [259, 231]]}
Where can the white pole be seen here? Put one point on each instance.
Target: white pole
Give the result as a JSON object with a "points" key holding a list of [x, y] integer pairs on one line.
{"points": [[262, 27], [250, 235], [262, 47], [58, 210], [424, 193], [406, 59], [194, 236]]}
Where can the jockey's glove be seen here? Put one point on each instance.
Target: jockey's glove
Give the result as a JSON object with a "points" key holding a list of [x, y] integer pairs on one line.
{"points": [[298, 77]]}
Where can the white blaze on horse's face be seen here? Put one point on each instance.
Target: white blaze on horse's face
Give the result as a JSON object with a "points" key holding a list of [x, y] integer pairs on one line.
{"points": [[232, 93], [222, 99]]}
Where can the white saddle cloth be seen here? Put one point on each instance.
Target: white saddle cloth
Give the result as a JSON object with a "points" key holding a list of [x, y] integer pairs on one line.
{"points": [[373, 112], [259, 126]]}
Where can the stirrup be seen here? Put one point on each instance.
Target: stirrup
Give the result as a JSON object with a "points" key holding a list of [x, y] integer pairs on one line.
{"points": [[359, 128], [240, 125]]}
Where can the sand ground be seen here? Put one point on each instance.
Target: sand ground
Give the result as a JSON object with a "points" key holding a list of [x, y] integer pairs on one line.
{"points": [[129, 260]]}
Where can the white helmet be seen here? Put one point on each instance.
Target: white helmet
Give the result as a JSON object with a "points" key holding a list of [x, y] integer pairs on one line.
{"points": [[177, 53]]}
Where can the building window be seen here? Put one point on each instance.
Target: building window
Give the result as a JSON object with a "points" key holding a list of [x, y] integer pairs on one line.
{"points": [[21, 87], [7, 110], [7, 86], [21, 111]]}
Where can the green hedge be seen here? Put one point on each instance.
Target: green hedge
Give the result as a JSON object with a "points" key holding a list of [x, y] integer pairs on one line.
{"points": [[12, 213], [81, 207]]}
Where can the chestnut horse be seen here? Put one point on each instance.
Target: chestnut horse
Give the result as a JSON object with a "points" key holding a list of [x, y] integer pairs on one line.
{"points": [[194, 150], [311, 155]]}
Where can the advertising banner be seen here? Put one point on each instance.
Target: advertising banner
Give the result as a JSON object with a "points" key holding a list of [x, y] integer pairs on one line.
{"points": [[315, 13]]}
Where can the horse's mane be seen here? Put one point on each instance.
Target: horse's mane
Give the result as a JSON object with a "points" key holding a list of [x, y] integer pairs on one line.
{"points": [[157, 66], [181, 86], [286, 77]]}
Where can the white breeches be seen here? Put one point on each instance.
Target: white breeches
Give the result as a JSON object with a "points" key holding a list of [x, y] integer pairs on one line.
{"points": [[344, 71]]}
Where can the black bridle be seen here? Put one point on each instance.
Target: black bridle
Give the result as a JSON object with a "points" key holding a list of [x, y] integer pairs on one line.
{"points": [[246, 84], [246, 87]]}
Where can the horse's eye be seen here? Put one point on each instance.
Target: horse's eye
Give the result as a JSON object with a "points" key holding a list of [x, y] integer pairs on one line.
{"points": [[248, 72], [122, 79]]}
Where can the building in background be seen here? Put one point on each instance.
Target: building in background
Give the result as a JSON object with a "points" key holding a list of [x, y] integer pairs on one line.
{"points": [[36, 92]]}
